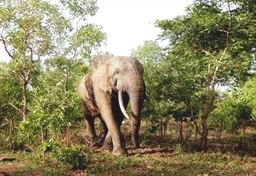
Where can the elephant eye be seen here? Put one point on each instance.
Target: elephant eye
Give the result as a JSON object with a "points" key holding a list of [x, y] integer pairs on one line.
{"points": [[117, 71]]}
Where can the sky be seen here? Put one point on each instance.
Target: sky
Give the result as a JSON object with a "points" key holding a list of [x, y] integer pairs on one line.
{"points": [[128, 23]]}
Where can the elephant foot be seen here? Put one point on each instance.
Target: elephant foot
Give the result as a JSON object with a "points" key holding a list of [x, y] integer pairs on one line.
{"points": [[91, 139], [120, 151], [98, 143], [107, 146], [90, 136], [135, 146], [135, 142]]}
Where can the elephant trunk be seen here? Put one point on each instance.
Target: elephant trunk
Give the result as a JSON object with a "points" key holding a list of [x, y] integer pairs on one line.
{"points": [[121, 104], [136, 100]]}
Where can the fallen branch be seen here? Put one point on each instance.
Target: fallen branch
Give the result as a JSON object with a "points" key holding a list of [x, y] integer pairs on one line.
{"points": [[2, 159]]}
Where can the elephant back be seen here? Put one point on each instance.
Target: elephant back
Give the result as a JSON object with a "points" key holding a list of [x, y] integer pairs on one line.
{"points": [[98, 61]]}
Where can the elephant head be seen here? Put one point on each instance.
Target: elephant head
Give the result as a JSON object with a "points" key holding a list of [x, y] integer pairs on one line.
{"points": [[115, 79], [121, 75]]}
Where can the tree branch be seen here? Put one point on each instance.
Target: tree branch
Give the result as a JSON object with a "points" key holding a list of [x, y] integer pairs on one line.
{"points": [[5, 47], [213, 82], [15, 107], [31, 52], [202, 49], [27, 34]]}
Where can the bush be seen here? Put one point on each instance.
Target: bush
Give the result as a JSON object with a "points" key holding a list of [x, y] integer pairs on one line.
{"points": [[73, 157], [48, 146]]}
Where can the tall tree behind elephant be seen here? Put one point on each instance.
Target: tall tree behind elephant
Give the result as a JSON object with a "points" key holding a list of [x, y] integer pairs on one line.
{"points": [[106, 90]]}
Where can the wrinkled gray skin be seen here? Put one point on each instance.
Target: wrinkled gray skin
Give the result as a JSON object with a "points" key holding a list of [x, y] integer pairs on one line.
{"points": [[99, 92]]}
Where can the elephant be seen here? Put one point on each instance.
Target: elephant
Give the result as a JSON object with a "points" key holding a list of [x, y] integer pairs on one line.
{"points": [[106, 90]]}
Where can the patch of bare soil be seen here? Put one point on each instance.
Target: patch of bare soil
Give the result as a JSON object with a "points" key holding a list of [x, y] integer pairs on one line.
{"points": [[150, 150], [9, 169], [13, 166], [139, 151]]}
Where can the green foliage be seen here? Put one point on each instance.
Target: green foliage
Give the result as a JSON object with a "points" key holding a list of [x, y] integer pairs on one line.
{"points": [[74, 157], [10, 91], [48, 57], [48, 146], [157, 105], [170, 91], [86, 39], [204, 43], [248, 93], [210, 45], [224, 115], [80, 8], [231, 112]]}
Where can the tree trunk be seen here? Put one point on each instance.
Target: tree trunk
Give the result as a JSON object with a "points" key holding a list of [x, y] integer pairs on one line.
{"points": [[44, 134], [165, 128], [24, 109], [244, 133], [197, 129], [181, 132], [207, 107], [161, 127], [204, 144]]}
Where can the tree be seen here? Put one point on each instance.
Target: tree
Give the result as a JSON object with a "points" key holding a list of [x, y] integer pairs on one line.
{"points": [[166, 88], [49, 49], [151, 55], [232, 112], [29, 31], [214, 44]]}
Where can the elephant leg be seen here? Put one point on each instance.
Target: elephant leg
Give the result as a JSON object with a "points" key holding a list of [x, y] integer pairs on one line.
{"points": [[135, 126], [107, 145], [90, 132], [119, 118], [103, 130], [119, 112], [104, 103], [105, 141], [116, 136]]}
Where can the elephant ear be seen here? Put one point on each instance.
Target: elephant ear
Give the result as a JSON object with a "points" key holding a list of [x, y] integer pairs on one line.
{"points": [[83, 88], [101, 79]]}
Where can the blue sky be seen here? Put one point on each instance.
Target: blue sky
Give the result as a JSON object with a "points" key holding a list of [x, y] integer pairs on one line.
{"points": [[128, 23]]}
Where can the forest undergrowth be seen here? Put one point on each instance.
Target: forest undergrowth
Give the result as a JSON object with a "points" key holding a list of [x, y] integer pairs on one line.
{"points": [[157, 156]]}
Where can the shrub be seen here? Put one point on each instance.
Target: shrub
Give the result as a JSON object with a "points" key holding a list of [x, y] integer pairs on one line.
{"points": [[48, 146], [73, 157]]}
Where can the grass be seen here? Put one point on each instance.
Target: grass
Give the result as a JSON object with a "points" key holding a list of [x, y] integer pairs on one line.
{"points": [[27, 164], [146, 161], [175, 164]]}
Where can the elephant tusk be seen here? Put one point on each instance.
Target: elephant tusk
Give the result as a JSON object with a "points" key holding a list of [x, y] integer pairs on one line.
{"points": [[121, 104]]}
